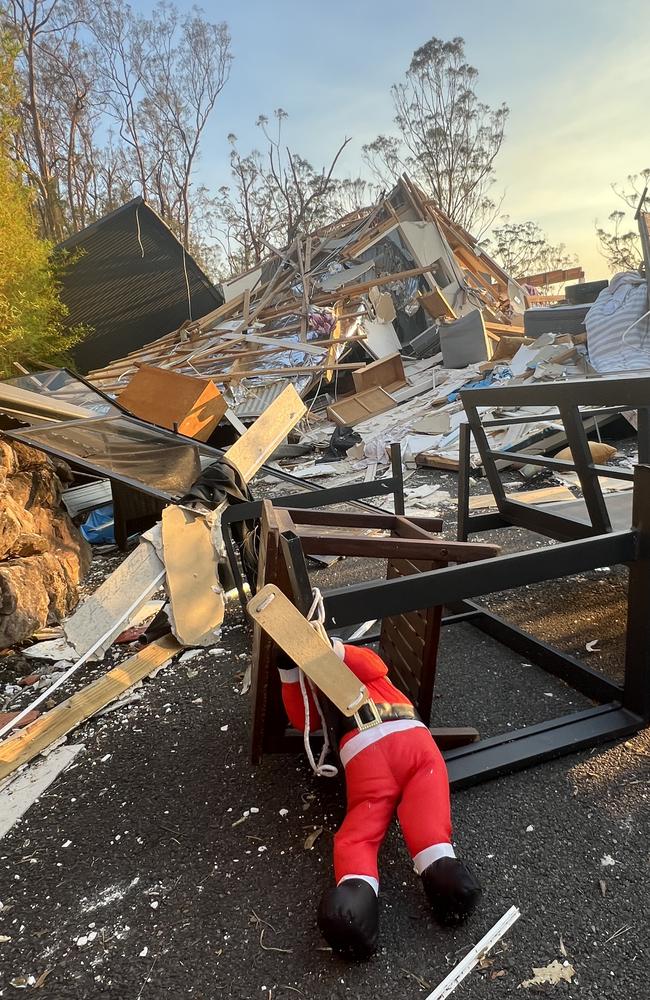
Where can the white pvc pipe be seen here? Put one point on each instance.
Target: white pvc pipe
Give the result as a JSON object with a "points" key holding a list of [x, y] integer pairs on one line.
{"points": [[466, 964]]}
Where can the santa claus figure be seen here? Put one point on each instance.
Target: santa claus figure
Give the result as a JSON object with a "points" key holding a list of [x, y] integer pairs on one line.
{"points": [[391, 766]]}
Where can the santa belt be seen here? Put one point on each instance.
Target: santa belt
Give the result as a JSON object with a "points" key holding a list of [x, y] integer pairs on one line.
{"points": [[385, 713], [366, 737]]}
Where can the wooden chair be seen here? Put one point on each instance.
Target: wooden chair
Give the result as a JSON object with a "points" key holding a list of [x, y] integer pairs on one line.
{"points": [[408, 643]]}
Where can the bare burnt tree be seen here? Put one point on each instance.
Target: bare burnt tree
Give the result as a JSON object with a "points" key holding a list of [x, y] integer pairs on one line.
{"points": [[522, 248], [53, 113], [163, 76], [274, 196], [115, 104], [447, 139], [620, 243]]}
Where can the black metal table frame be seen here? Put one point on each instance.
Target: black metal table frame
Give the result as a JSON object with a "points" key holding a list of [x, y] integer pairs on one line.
{"points": [[623, 709], [354, 493], [603, 396]]}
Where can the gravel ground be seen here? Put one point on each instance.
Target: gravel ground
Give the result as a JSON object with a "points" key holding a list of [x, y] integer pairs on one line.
{"points": [[163, 865]]}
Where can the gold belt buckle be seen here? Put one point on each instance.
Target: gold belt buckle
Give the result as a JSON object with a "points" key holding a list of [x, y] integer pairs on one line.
{"points": [[375, 719]]}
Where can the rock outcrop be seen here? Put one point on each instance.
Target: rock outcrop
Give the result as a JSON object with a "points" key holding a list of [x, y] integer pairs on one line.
{"points": [[43, 556]]}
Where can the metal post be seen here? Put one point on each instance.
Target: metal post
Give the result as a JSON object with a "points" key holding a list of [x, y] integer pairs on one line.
{"points": [[643, 435], [593, 495], [398, 477], [477, 429], [636, 692], [296, 564], [464, 443]]}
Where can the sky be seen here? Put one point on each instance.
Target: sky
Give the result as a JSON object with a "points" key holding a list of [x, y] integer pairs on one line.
{"points": [[575, 74]]}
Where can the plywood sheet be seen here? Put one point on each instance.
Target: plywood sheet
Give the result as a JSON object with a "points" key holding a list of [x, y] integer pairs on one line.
{"points": [[197, 601], [549, 495], [354, 409], [166, 398], [253, 448], [437, 306], [291, 631]]}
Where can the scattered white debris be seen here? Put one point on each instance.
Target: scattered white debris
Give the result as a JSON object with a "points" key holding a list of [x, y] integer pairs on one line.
{"points": [[284, 812], [529, 829], [189, 654], [246, 681], [109, 895], [592, 647], [224, 729], [154, 904], [254, 809], [144, 952], [105, 758], [67, 843], [22, 982], [551, 974], [81, 941], [262, 848], [607, 861]]}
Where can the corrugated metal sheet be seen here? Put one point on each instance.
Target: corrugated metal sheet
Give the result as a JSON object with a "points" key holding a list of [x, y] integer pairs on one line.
{"points": [[257, 400], [129, 284]]}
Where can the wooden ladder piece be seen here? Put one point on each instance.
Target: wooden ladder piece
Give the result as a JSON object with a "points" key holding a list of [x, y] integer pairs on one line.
{"points": [[291, 631]]}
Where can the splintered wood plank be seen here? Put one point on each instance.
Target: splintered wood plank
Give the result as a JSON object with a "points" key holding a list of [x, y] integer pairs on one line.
{"points": [[51, 726], [197, 602], [549, 494], [253, 448], [291, 631]]}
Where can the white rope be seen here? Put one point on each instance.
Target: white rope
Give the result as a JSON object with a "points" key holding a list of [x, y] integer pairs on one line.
{"points": [[316, 617]]}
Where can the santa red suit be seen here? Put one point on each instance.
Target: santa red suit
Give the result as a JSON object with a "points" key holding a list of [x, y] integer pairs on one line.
{"points": [[394, 766]]}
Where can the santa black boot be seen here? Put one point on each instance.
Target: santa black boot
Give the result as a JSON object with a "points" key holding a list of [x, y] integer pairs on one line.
{"points": [[348, 917], [452, 890]]}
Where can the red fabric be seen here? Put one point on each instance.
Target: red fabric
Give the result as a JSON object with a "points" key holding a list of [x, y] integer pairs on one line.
{"points": [[294, 706], [405, 772], [366, 665]]}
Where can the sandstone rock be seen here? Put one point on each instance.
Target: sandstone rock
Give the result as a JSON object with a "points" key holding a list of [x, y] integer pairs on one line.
{"points": [[14, 521], [35, 488], [28, 543], [8, 461], [33, 592], [66, 541], [44, 556], [27, 458]]}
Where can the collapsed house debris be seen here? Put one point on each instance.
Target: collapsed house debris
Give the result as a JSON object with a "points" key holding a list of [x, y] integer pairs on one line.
{"points": [[371, 333]]}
